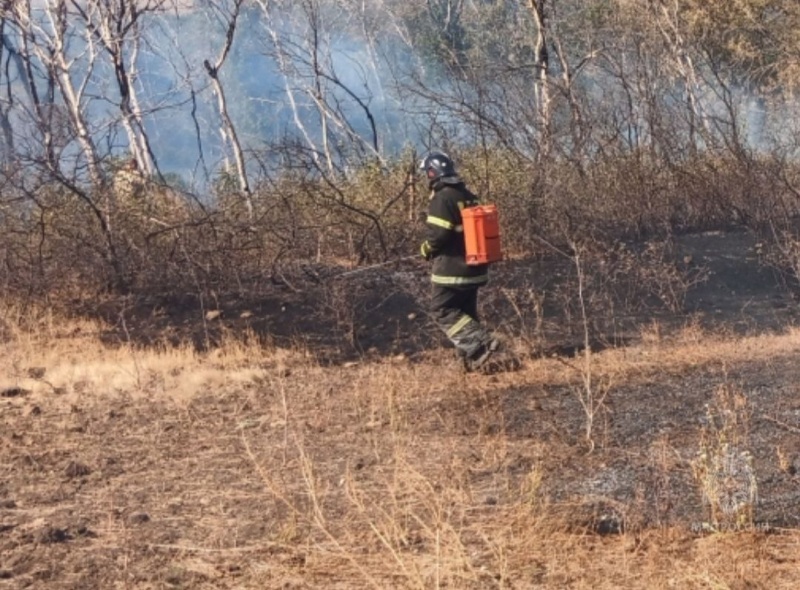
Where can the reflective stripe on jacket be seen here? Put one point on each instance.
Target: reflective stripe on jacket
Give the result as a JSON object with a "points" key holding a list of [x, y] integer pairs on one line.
{"points": [[446, 235]]}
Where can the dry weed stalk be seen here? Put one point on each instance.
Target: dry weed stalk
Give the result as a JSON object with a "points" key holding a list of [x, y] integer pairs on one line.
{"points": [[411, 520], [591, 397], [782, 251], [533, 337], [724, 466], [389, 517], [315, 518]]}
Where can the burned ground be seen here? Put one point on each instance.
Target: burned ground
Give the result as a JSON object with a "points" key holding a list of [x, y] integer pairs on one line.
{"points": [[718, 279]]}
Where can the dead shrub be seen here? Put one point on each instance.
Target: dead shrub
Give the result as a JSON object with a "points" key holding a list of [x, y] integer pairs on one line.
{"points": [[724, 468]]}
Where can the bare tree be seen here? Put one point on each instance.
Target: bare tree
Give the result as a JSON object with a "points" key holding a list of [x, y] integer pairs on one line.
{"points": [[7, 155], [667, 21], [228, 129], [47, 37], [116, 27], [542, 74], [287, 70], [303, 50]]}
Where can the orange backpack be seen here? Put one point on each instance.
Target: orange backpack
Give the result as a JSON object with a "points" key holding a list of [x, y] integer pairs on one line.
{"points": [[482, 234]]}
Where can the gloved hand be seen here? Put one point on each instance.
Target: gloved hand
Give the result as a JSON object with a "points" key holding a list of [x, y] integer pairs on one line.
{"points": [[426, 250]]}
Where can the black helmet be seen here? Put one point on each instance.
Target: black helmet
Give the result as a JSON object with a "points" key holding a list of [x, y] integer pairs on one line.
{"points": [[437, 165]]}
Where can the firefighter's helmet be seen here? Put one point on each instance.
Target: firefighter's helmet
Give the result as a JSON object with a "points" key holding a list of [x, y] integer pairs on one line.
{"points": [[437, 165]]}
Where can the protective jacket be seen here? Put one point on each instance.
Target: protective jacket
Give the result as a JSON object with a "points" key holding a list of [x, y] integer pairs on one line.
{"points": [[445, 239]]}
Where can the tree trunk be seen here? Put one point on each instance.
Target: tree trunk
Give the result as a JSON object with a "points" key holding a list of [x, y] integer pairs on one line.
{"points": [[228, 130]]}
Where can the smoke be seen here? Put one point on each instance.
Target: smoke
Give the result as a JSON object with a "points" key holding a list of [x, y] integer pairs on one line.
{"points": [[341, 79], [348, 87]]}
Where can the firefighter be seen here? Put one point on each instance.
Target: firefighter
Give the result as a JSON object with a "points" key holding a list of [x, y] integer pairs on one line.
{"points": [[454, 298]]}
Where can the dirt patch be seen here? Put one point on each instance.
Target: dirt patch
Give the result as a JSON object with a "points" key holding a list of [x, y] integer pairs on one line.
{"points": [[288, 479]]}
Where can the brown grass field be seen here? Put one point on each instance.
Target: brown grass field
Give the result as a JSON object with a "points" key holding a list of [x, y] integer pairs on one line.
{"points": [[670, 462], [257, 467]]}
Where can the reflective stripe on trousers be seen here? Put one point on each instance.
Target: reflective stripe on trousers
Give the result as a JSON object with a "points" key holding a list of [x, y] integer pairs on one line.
{"points": [[455, 312], [477, 280]]}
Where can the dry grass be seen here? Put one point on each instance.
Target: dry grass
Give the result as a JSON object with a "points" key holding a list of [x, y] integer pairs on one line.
{"points": [[250, 467]]}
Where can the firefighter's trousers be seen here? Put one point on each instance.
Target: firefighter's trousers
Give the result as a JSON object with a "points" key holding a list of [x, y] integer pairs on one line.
{"points": [[455, 311]]}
